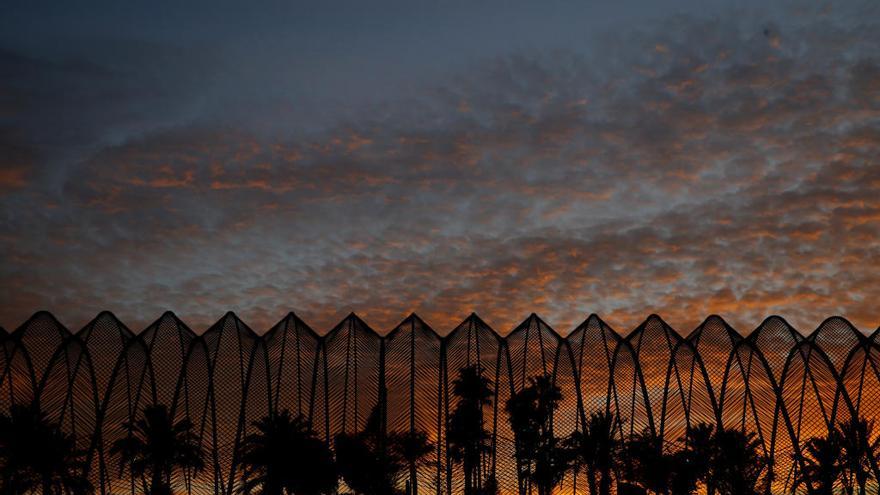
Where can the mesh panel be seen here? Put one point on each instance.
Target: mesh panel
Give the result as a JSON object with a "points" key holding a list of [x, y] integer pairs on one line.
{"points": [[68, 394], [292, 348], [168, 340], [837, 338], [413, 378], [352, 352], [38, 339], [238, 361], [5, 382], [194, 401], [809, 390], [473, 343], [105, 339]]}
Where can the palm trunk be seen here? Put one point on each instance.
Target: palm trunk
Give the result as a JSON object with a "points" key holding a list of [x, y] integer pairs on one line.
{"points": [[605, 482], [412, 479], [155, 481], [272, 487], [591, 479]]}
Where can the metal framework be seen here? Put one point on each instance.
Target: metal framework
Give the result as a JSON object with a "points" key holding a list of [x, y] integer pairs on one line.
{"points": [[775, 382]]}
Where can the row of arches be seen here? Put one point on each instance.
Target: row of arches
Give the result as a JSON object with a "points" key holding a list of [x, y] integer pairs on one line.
{"points": [[775, 382]]}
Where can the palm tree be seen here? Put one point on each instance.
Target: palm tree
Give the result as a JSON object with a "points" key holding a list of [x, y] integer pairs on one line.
{"points": [[858, 450], [736, 465], [36, 454], [597, 446], [468, 439], [646, 466], [156, 447], [821, 465], [413, 447], [542, 460], [725, 460], [652, 468], [701, 440], [373, 462], [284, 454]]}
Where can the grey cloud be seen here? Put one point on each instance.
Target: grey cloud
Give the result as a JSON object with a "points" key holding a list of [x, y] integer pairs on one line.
{"points": [[698, 167]]}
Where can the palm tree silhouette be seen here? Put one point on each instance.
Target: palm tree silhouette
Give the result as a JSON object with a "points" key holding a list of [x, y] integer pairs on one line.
{"points": [[467, 439], [596, 446], [284, 454], [156, 447], [541, 458], [858, 451], [374, 462], [652, 468], [414, 448], [821, 464], [727, 461], [36, 454], [702, 441]]}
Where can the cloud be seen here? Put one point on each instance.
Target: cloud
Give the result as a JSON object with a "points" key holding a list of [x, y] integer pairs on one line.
{"points": [[695, 167]]}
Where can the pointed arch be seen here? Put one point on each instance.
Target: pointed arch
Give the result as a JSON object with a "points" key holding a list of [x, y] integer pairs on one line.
{"points": [[714, 340], [129, 389], [810, 393], [413, 372], [37, 340], [293, 348], [593, 346], [239, 373], [353, 374], [749, 402], [775, 338], [837, 337], [474, 343], [68, 394], [167, 340]]}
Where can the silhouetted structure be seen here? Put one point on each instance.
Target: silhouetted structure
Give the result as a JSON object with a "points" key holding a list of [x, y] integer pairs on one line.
{"points": [[781, 385]]}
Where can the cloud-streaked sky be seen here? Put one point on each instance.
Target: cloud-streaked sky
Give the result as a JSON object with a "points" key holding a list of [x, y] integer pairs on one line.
{"points": [[441, 157]]}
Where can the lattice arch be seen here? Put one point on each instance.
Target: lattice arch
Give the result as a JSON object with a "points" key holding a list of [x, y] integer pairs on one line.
{"points": [[749, 399], [474, 343], [292, 347], [414, 383], [775, 382]]}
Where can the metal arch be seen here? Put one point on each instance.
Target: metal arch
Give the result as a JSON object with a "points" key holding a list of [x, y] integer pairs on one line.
{"points": [[698, 362], [20, 352], [839, 391], [578, 365], [122, 362], [416, 387], [472, 328], [779, 406], [867, 347], [291, 324], [639, 383]]}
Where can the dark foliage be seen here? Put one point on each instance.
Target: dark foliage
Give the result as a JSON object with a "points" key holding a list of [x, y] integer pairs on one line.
{"points": [[285, 455], [156, 448], [542, 459], [374, 462], [36, 455], [468, 438], [596, 448]]}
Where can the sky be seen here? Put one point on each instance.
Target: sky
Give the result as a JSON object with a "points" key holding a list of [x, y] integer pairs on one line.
{"points": [[684, 158]]}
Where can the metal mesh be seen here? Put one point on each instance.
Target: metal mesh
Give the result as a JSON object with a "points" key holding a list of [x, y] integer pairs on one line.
{"points": [[775, 382]]}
